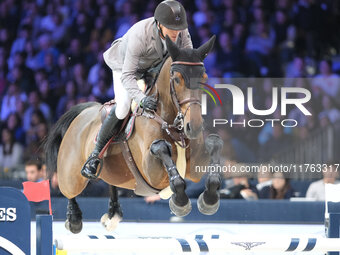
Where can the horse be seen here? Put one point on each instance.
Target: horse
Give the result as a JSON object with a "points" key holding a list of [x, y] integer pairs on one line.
{"points": [[154, 147]]}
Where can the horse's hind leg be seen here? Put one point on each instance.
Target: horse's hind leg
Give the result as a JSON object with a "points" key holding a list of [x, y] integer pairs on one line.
{"points": [[209, 201], [179, 202], [111, 219], [73, 217]]}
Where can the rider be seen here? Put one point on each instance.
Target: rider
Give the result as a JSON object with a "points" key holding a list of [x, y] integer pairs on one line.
{"points": [[142, 47]]}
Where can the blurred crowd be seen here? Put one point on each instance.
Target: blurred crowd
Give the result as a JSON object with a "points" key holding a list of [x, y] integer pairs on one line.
{"points": [[51, 59]]}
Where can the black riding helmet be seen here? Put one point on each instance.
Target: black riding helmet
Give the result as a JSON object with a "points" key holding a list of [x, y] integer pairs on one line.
{"points": [[171, 14]]}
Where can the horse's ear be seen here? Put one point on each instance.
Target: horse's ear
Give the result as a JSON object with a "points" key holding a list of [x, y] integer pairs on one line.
{"points": [[174, 51], [204, 49]]}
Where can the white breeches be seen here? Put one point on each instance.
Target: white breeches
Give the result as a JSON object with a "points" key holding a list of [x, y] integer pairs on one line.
{"points": [[123, 100]]}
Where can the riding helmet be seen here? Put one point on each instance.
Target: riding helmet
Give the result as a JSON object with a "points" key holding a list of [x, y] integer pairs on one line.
{"points": [[171, 14]]}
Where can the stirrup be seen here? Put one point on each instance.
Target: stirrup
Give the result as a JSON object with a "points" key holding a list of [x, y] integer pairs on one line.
{"points": [[93, 176]]}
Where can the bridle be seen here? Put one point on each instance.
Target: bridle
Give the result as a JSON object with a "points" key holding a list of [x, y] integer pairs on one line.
{"points": [[177, 103], [176, 129]]}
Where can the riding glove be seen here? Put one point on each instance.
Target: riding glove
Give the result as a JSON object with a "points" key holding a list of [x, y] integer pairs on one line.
{"points": [[149, 103]]}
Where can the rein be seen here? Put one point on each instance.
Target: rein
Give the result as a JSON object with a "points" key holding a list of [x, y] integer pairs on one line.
{"points": [[176, 130]]}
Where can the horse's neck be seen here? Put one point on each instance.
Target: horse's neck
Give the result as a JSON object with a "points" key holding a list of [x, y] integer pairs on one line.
{"points": [[167, 109]]}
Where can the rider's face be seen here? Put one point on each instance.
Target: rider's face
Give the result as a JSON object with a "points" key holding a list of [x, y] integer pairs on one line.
{"points": [[169, 32]]}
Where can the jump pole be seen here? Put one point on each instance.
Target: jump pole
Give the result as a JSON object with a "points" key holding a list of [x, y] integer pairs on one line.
{"points": [[193, 245]]}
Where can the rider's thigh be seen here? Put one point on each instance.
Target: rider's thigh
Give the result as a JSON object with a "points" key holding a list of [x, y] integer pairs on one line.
{"points": [[123, 100]]}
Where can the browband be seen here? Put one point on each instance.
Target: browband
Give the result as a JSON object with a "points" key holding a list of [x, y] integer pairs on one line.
{"points": [[187, 63]]}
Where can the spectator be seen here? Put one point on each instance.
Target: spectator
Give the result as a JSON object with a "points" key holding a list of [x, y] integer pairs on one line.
{"points": [[3, 72], [17, 75], [80, 79], [64, 71], [97, 70], [296, 69], [275, 144], [47, 25], [229, 59], [75, 51], [101, 32], [25, 77], [316, 190], [280, 26], [80, 29], [327, 82], [305, 21], [19, 44], [30, 55], [35, 146], [239, 38], [34, 170], [37, 118], [50, 69], [10, 152], [203, 14], [14, 124], [34, 105], [287, 48], [329, 109], [10, 100], [258, 47], [70, 96], [264, 178], [239, 188], [47, 94], [103, 91], [45, 46], [59, 32], [279, 189], [152, 199], [5, 41]]}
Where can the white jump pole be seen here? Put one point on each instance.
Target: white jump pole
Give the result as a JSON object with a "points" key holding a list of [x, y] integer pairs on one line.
{"points": [[186, 245]]}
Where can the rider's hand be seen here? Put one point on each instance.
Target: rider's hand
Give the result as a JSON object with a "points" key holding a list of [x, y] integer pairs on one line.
{"points": [[149, 103]]}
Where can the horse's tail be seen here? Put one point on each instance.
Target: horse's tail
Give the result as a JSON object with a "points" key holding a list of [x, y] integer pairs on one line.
{"points": [[53, 140]]}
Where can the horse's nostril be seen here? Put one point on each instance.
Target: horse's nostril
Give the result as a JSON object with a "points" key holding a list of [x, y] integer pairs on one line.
{"points": [[188, 127]]}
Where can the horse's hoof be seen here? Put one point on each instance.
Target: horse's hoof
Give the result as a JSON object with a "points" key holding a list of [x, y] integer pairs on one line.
{"points": [[206, 209], [180, 211], [110, 224], [74, 228]]}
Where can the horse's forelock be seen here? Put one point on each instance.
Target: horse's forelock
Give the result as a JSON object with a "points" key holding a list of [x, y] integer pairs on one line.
{"points": [[189, 73]]}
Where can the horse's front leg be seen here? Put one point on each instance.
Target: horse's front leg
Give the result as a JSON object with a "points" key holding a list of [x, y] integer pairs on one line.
{"points": [[179, 202], [209, 201]]}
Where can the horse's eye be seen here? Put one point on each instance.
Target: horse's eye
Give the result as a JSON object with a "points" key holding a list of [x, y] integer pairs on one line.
{"points": [[177, 80]]}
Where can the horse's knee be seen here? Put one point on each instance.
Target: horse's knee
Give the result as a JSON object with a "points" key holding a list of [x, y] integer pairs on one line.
{"points": [[159, 148], [213, 182], [214, 145], [213, 142], [177, 184]]}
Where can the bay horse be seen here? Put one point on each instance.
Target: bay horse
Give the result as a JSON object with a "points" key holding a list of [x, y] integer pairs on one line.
{"points": [[152, 143]]}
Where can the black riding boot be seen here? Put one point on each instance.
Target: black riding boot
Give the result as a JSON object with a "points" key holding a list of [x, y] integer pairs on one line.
{"points": [[109, 128]]}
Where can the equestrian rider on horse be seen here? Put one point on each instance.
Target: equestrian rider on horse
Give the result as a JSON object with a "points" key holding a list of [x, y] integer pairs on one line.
{"points": [[142, 47]]}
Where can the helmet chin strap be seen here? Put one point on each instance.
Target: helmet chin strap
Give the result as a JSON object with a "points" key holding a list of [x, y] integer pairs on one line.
{"points": [[160, 31]]}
